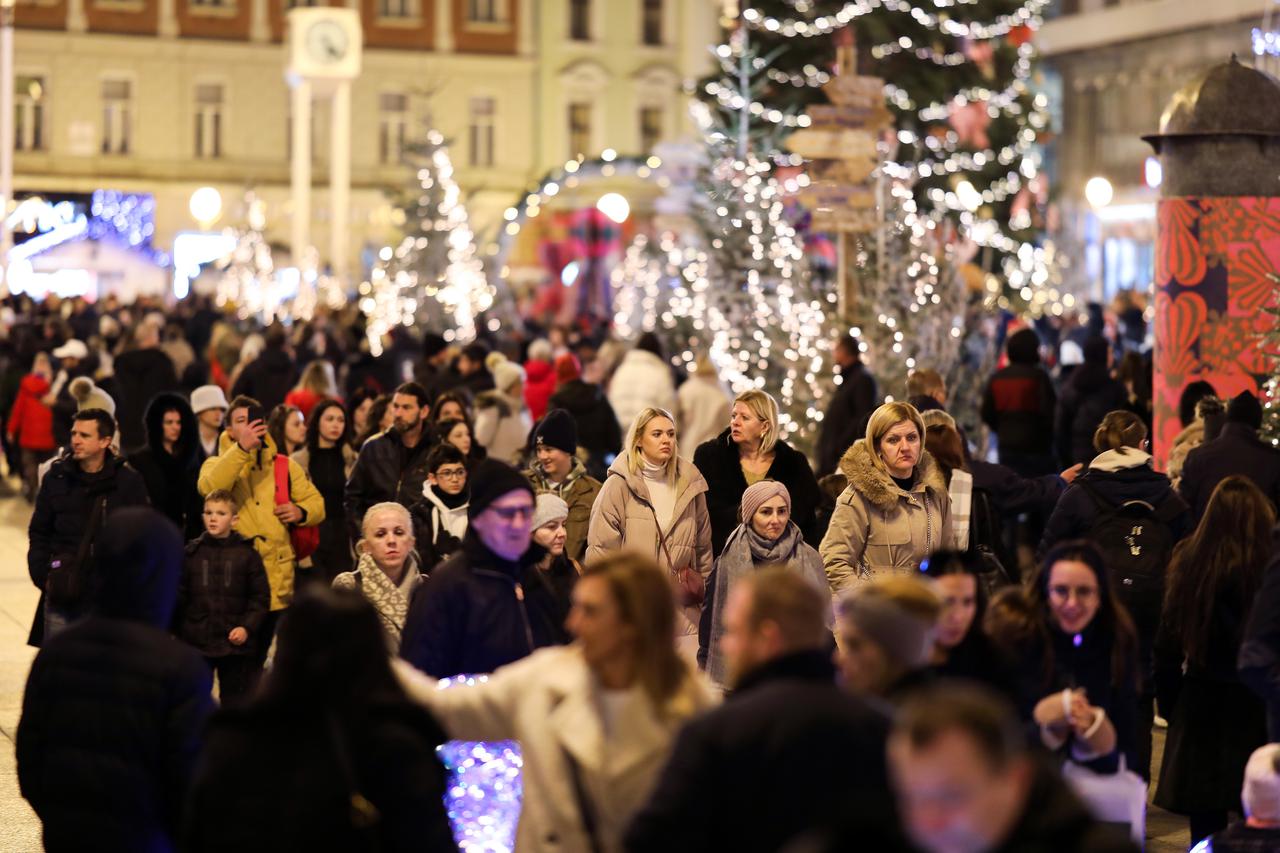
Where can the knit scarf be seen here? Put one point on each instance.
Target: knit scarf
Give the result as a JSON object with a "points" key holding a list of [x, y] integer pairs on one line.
{"points": [[392, 604], [745, 552]]}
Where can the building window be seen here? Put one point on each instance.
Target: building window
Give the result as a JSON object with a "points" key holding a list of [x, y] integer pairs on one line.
{"points": [[579, 129], [392, 126], [213, 4], [209, 120], [580, 20], [485, 12], [650, 128], [117, 116], [397, 9], [652, 22], [29, 108], [480, 133]]}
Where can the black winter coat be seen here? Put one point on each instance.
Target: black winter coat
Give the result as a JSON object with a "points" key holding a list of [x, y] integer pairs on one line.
{"points": [[171, 478], [140, 375], [845, 420], [224, 586], [271, 780], [267, 379], [385, 470], [63, 507], [1018, 404], [598, 429], [1077, 512], [732, 781], [719, 463], [1236, 450], [112, 721], [1215, 722], [1259, 660], [477, 613], [1086, 399], [1011, 493]]}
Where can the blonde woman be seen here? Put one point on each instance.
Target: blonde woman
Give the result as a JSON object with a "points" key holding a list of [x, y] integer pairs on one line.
{"points": [[895, 510], [655, 503], [750, 450], [316, 383], [387, 572], [595, 720]]}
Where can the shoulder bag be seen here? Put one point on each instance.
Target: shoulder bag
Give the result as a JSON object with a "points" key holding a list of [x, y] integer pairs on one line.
{"points": [[305, 540]]}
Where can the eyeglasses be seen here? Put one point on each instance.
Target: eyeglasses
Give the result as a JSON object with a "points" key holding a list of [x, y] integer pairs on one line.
{"points": [[451, 473], [510, 514]]}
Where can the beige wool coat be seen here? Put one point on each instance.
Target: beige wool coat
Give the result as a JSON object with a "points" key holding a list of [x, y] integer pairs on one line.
{"points": [[551, 703], [877, 528], [623, 518]]}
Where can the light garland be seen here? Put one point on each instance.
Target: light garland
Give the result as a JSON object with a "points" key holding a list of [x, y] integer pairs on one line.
{"points": [[1026, 15]]}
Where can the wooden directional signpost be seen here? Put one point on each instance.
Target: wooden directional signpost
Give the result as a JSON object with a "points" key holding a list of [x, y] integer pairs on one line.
{"points": [[844, 189]]}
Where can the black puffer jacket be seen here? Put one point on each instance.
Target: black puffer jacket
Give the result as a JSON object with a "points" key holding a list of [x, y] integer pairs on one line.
{"points": [[1088, 396], [845, 420], [140, 375], [171, 477], [478, 612], [267, 379], [271, 779], [719, 463], [1236, 450], [385, 470], [598, 429], [115, 707], [63, 508], [224, 586]]}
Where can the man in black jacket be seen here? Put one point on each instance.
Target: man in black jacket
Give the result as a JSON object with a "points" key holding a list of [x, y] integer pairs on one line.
{"points": [[392, 466], [1019, 405], [1236, 450], [789, 751], [845, 420], [487, 605], [141, 373], [270, 376], [114, 706], [65, 525]]}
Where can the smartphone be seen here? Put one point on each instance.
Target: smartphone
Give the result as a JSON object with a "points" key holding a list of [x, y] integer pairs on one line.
{"points": [[256, 414]]}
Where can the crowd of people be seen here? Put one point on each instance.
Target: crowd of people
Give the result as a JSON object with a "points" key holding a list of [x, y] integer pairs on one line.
{"points": [[263, 553]]}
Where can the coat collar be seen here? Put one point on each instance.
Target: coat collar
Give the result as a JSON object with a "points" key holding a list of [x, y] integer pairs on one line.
{"points": [[577, 724], [799, 666], [878, 487], [689, 482]]}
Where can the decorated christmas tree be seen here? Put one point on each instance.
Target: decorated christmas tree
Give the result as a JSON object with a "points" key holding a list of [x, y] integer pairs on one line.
{"points": [[959, 84], [433, 278], [247, 276], [1270, 346]]}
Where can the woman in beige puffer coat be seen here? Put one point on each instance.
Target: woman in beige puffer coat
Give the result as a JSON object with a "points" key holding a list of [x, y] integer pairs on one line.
{"points": [[655, 503], [896, 510]]}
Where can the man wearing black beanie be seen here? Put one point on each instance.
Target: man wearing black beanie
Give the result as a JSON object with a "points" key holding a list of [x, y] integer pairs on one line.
{"points": [[559, 471], [486, 606], [1236, 450]]}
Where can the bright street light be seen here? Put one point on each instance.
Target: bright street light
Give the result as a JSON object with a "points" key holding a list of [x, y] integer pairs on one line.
{"points": [[206, 205], [1098, 192], [614, 206]]}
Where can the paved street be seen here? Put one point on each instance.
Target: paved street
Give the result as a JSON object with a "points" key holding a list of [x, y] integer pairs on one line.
{"points": [[19, 828]]}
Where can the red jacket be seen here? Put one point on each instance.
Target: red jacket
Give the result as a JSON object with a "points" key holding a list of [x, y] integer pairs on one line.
{"points": [[31, 420], [304, 399], [539, 385]]}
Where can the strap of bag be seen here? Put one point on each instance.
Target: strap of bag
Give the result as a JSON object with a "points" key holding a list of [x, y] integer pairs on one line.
{"points": [[95, 516], [662, 540], [585, 808], [282, 479]]}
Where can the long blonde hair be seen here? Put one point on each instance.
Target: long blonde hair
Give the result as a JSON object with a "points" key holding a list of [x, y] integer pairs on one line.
{"points": [[886, 418], [764, 407], [317, 377], [643, 594], [636, 431]]}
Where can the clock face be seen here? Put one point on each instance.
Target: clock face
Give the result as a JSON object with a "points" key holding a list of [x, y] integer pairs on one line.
{"points": [[327, 42]]}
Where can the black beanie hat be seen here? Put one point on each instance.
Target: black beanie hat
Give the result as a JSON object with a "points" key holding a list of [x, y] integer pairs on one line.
{"points": [[491, 480], [1245, 409], [558, 430]]}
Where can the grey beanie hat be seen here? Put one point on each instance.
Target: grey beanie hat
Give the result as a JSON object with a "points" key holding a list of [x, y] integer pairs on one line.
{"points": [[548, 508]]}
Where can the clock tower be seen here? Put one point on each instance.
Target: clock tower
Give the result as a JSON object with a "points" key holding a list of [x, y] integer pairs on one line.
{"points": [[323, 59]]}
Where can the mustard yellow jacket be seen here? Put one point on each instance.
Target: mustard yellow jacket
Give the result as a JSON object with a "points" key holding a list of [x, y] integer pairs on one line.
{"points": [[250, 477]]}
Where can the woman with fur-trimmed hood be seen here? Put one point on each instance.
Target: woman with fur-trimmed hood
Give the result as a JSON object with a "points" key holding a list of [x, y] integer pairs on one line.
{"points": [[170, 463], [895, 511]]}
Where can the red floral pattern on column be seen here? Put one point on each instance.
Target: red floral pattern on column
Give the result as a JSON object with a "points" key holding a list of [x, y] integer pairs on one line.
{"points": [[1180, 257]]}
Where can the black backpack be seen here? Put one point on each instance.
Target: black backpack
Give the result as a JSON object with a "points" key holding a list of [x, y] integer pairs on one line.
{"points": [[1136, 540], [986, 541]]}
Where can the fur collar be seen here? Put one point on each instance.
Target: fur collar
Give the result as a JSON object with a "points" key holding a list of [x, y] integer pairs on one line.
{"points": [[877, 486], [496, 400]]}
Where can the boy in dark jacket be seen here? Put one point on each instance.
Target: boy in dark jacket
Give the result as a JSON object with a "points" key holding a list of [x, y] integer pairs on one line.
{"points": [[223, 598]]}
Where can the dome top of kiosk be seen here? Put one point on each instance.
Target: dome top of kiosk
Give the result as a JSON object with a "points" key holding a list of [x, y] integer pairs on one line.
{"points": [[1228, 99]]}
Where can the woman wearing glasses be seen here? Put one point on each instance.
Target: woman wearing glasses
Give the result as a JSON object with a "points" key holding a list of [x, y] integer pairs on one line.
{"points": [[1079, 675]]}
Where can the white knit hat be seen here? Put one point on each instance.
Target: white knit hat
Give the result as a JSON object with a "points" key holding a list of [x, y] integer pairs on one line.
{"points": [[506, 374], [548, 509], [89, 396], [208, 397]]}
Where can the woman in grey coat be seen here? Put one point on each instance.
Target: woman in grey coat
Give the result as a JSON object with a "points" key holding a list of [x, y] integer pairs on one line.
{"points": [[766, 537]]}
